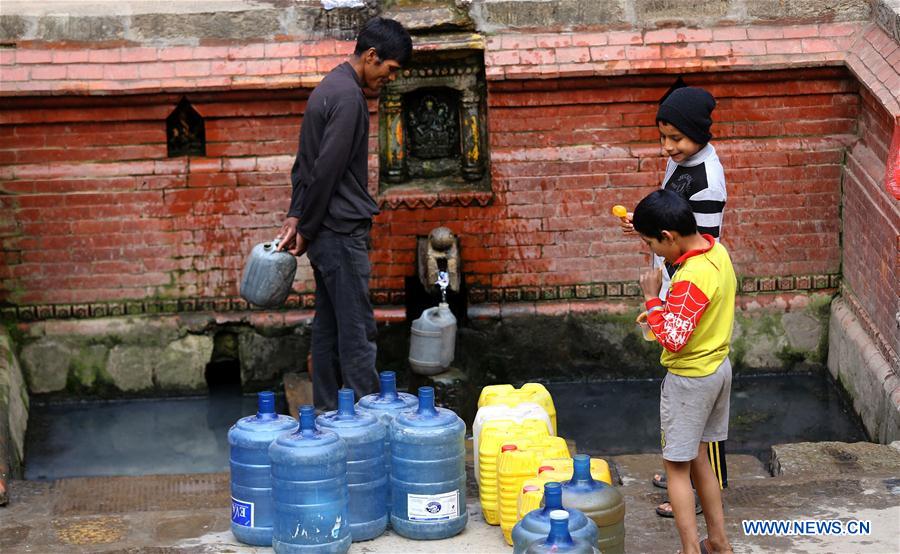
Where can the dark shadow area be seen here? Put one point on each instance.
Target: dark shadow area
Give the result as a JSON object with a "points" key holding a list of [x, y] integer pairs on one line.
{"points": [[622, 417]]}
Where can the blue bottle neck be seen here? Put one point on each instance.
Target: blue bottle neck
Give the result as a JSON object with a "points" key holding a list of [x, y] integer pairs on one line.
{"points": [[426, 402], [345, 404], [388, 386], [581, 473], [265, 406], [559, 533], [552, 498], [308, 422]]}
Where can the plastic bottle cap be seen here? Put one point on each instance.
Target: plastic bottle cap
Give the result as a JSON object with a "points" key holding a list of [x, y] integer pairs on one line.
{"points": [[559, 515], [508, 447], [529, 488], [542, 469]]}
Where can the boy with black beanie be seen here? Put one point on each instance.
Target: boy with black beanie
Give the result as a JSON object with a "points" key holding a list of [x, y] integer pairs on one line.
{"points": [[684, 118]]}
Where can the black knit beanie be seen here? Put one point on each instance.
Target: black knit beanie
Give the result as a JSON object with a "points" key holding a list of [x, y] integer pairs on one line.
{"points": [[689, 109]]}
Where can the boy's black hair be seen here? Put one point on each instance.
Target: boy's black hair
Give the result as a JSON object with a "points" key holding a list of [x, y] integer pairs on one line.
{"points": [[388, 37], [664, 210]]}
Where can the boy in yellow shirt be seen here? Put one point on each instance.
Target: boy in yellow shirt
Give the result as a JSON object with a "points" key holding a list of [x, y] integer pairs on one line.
{"points": [[694, 327]]}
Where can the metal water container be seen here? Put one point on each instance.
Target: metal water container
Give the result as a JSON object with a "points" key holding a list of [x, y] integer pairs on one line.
{"points": [[433, 340], [268, 275]]}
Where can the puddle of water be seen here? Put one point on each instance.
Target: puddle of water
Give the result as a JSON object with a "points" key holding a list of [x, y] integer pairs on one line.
{"points": [[622, 417], [134, 437], [189, 435]]}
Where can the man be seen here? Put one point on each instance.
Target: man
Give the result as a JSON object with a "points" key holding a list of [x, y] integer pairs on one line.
{"points": [[331, 210]]}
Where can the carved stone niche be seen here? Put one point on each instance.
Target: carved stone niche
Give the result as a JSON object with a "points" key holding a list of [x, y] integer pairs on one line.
{"points": [[433, 125]]}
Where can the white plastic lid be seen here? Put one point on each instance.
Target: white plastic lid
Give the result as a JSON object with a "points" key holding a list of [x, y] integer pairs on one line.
{"points": [[559, 514]]}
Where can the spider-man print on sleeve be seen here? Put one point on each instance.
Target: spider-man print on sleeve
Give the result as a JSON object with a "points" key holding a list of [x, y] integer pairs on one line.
{"points": [[676, 321]]}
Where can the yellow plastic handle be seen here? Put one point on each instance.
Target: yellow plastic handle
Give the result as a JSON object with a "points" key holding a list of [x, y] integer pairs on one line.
{"points": [[619, 211]]}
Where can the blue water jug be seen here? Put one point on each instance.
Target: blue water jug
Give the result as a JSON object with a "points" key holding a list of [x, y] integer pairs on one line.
{"points": [[428, 471], [309, 488], [251, 478], [367, 479], [559, 540], [600, 502], [536, 523], [386, 404]]}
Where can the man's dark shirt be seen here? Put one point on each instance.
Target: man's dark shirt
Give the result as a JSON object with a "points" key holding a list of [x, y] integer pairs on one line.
{"points": [[330, 174]]}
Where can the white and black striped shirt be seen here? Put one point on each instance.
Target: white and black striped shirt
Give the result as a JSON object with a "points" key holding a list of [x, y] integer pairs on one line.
{"points": [[701, 180]]}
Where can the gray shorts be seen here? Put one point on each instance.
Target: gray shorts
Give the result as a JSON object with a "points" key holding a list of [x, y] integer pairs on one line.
{"points": [[693, 410]]}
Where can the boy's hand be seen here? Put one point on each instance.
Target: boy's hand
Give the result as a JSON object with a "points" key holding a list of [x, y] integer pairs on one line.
{"points": [[651, 282], [626, 225]]}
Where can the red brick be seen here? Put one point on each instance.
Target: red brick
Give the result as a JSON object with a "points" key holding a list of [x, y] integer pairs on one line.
{"points": [[800, 31], [729, 33], [210, 52], [573, 55], [70, 56], [589, 39], [642, 52], [15, 73], [660, 35], [606, 53], [192, 69], [47, 72], [318, 49], [282, 50], [163, 70], [504, 57], [246, 51], [707, 49], [694, 35], [624, 37], [143, 54], [25, 56], [299, 65], [553, 41], [537, 57], [105, 55], [7, 56], [120, 72], [838, 29], [678, 51], [764, 33], [814, 45], [783, 47], [518, 42], [748, 48]]}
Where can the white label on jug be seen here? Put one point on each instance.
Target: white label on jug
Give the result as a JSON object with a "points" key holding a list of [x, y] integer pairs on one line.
{"points": [[242, 512], [432, 507]]}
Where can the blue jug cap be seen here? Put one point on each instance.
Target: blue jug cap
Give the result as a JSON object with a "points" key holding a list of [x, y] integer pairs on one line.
{"points": [[345, 403], [265, 405], [388, 381], [552, 496], [426, 402], [559, 529]]}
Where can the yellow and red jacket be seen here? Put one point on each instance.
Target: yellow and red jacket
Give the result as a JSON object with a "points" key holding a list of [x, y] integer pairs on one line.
{"points": [[694, 324]]}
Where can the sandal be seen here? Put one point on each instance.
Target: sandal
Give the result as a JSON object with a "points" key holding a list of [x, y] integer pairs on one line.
{"points": [[704, 546], [659, 480], [667, 512]]}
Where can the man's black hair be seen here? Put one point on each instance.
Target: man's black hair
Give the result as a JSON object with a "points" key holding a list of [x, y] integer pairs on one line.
{"points": [[388, 37], [664, 210]]}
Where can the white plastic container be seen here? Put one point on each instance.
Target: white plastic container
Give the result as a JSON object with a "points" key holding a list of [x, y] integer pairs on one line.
{"points": [[517, 413]]}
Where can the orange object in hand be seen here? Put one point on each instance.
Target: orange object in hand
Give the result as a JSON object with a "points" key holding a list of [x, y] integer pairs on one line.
{"points": [[619, 211]]}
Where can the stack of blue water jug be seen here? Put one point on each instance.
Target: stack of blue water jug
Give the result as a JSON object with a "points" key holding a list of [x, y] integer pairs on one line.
{"points": [[317, 486]]}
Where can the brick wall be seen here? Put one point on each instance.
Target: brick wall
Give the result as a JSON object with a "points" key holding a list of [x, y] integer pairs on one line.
{"points": [[99, 213], [93, 212], [871, 220]]}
